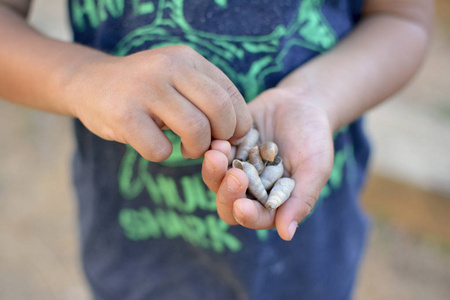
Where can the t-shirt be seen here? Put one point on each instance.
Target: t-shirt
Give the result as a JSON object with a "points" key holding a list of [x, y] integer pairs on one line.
{"points": [[151, 230]]}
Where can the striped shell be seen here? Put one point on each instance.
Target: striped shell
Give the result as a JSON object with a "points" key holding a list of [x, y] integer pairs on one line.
{"points": [[280, 192], [250, 140], [255, 185], [255, 159]]}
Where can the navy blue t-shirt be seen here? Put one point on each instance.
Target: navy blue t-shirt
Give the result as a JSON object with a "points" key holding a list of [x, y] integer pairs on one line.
{"points": [[151, 230]]}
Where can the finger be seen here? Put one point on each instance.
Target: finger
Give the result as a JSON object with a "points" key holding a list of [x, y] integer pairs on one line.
{"points": [[186, 120], [244, 120], [226, 148], [214, 168], [309, 181], [210, 98], [146, 138], [232, 187], [222, 146], [251, 214]]}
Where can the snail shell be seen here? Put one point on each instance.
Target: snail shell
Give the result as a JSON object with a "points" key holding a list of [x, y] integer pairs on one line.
{"points": [[280, 193], [250, 140], [255, 185], [269, 151], [272, 173], [255, 159]]}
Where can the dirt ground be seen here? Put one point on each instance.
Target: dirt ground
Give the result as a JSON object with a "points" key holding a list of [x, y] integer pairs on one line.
{"points": [[408, 256]]}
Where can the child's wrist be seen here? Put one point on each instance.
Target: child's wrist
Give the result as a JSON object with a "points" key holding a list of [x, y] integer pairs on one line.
{"points": [[75, 78]]}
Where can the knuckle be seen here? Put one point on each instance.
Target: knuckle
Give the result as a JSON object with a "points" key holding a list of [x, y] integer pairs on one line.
{"points": [[159, 153], [221, 199], [243, 127], [199, 128], [164, 60], [110, 134], [246, 125], [227, 218], [222, 102], [222, 117], [233, 92], [120, 121], [185, 49], [309, 201], [156, 151], [121, 116]]}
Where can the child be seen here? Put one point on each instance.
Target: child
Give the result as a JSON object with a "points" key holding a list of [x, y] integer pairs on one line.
{"points": [[148, 226]]}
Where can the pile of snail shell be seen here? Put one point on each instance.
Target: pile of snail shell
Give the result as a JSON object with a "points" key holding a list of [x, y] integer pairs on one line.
{"points": [[264, 169]]}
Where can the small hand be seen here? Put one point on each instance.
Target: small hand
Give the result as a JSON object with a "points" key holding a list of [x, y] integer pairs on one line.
{"points": [[301, 129], [129, 99]]}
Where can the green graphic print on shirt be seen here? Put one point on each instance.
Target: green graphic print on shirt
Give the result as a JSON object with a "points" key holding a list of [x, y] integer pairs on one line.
{"points": [[177, 199]]}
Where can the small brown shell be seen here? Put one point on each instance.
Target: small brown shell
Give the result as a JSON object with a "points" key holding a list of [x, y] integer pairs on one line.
{"points": [[268, 150], [255, 159], [280, 192], [255, 185]]}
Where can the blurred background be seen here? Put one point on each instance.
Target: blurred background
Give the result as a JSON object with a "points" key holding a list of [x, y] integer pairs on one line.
{"points": [[407, 194]]}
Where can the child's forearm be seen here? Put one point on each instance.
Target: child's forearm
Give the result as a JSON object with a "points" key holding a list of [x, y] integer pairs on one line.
{"points": [[33, 68], [124, 99], [369, 65]]}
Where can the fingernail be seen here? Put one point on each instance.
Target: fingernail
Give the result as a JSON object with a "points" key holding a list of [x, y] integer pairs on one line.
{"points": [[237, 214], [233, 185], [291, 229]]}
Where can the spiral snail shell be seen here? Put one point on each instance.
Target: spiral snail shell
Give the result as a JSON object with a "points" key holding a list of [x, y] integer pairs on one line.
{"points": [[268, 150], [280, 193], [255, 185], [264, 170], [250, 140], [255, 159], [272, 173]]}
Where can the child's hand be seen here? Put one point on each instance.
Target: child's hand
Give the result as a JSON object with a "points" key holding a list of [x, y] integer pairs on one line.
{"points": [[129, 99], [301, 129]]}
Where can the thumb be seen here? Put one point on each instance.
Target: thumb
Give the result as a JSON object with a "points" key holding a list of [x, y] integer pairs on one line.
{"points": [[309, 179]]}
